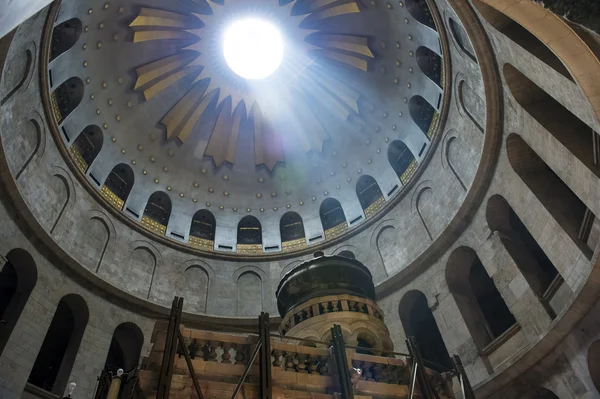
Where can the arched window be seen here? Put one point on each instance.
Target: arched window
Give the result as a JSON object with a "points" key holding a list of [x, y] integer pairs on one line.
{"points": [[423, 114], [518, 34], [430, 64], [125, 348], [118, 185], [332, 218], [541, 393], [64, 36], [558, 199], [418, 321], [66, 98], [56, 357], [87, 146], [420, 11], [249, 235], [369, 195], [157, 213], [484, 311], [202, 230], [538, 270], [567, 128], [291, 228], [462, 39], [402, 160], [17, 279]]}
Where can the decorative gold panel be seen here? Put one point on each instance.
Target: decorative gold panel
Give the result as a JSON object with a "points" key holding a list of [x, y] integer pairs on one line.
{"points": [[249, 249], [409, 171], [55, 109], [434, 124], [375, 207], [112, 198], [201, 243], [153, 226], [336, 231], [294, 245], [79, 161]]}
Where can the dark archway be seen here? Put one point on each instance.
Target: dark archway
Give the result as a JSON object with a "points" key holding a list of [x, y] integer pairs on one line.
{"points": [[575, 135], [558, 199], [482, 307], [332, 216], [420, 11], [249, 231], [347, 254], [66, 98], [202, 230], [369, 193], [521, 36], [56, 357], [423, 114], [17, 279], [418, 321], [430, 64], [157, 213], [291, 227], [125, 348], [536, 267], [119, 183], [64, 36], [87, 146], [402, 160], [593, 361]]}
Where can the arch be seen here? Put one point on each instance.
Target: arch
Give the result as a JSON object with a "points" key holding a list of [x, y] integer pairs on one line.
{"points": [[87, 146], [482, 307], [420, 11], [453, 158], [157, 213], [249, 231], [291, 227], [56, 357], [119, 183], [402, 160], [471, 104], [141, 269], [62, 182], [332, 215], [567, 128], [30, 144], [203, 227], [521, 36], [541, 393], [536, 267], [385, 240], [96, 240], [423, 114], [558, 199], [64, 36], [66, 98], [249, 294], [369, 193], [18, 73], [125, 348], [462, 39], [196, 282], [18, 277], [430, 64], [593, 362], [418, 321], [426, 206]]}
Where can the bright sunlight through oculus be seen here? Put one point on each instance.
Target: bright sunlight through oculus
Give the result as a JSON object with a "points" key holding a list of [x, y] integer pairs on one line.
{"points": [[253, 48]]}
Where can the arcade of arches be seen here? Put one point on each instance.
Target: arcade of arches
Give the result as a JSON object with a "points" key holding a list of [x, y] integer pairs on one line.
{"points": [[446, 152]]}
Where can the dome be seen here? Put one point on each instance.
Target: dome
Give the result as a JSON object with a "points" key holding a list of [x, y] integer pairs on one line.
{"points": [[158, 126]]}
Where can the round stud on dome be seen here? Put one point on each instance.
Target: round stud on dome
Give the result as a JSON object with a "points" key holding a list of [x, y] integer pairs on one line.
{"points": [[99, 45], [337, 186], [88, 80], [377, 129], [405, 99], [195, 199], [196, 184], [98, 111], [326, 193], [410, 70], [116, 37], [156, 181], [301, 202], [401, 4], [410, 37], [397, 44], [85, 64], [181, 195], [398, 63], [332, 173], [129, 104], [396, 81], [101, 25], [110, 102], [104, 85], [92, 96], [140, 147], [349, 179], [393, 127], [169, 188], [248, 210], [359, 171], [221, 207], [122, 150], [121, 10], [203, 171], [379, 150], [87, 28], [118, 118], [145, 172], [411, 53], [387, 139], [105, 126], [262, 209], [383, 45], [273, 194], [408, 85], [389, 6], [314, 198], [84, 46], [288, 206], [369, 161], [226, 193], [406, 20], [225, 177], [258, 195], [152, 158], [166, 168], [105, 6], [133, 162], [90, 11], [211, 190], [345, 164]]}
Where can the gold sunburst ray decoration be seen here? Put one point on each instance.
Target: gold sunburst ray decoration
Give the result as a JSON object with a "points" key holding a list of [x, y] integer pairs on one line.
{"points": [[201, 62]]}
